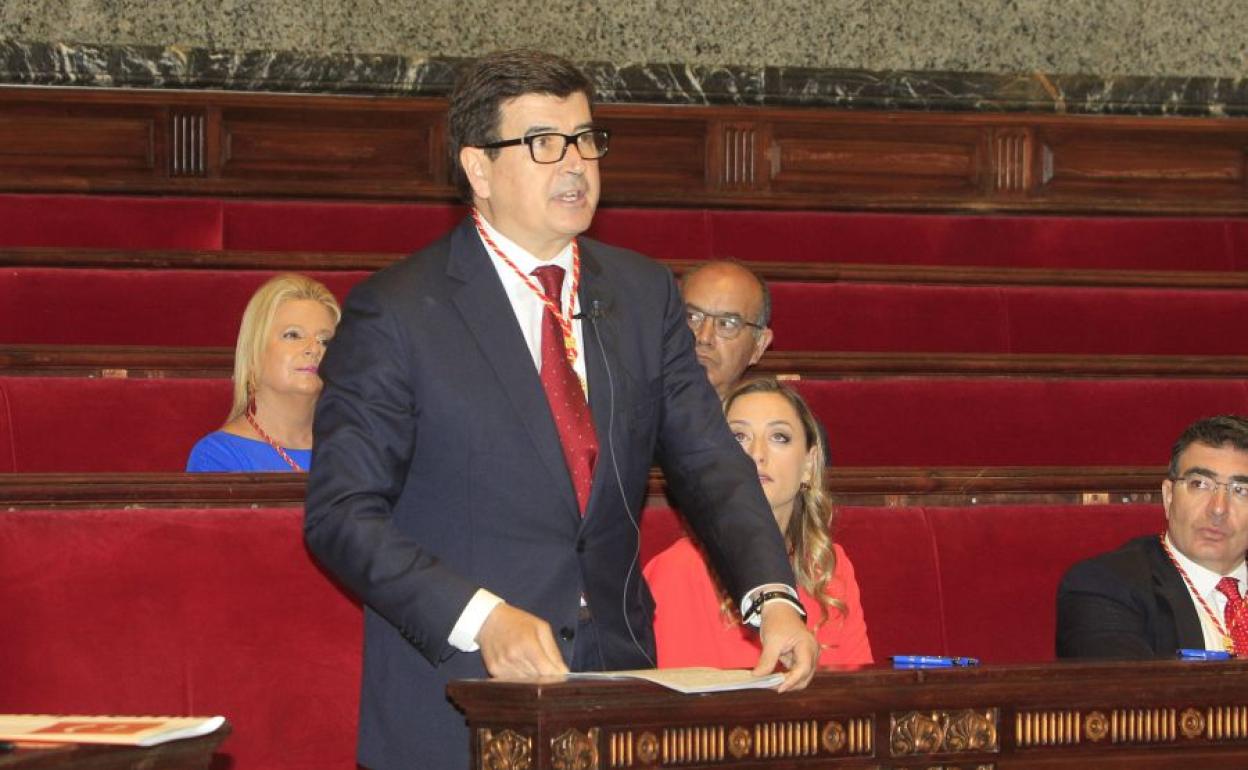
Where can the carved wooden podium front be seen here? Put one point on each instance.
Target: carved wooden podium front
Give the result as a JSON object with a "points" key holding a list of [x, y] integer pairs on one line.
{"points": [[1167, 714]]}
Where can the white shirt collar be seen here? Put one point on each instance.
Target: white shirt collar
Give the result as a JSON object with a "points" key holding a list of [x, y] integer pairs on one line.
{"points": [[520, 256], [1205, 580]]}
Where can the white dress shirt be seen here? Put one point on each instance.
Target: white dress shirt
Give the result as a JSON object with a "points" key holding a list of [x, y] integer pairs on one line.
{"points": [[529, 310], [1205, 581]]}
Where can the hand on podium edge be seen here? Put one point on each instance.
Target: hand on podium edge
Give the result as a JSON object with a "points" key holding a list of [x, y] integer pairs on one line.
{"points": [[516, 644], [787, 640]]}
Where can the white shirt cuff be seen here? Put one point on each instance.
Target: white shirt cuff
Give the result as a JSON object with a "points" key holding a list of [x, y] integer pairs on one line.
{"points": [[747, 601], [464, 635]]}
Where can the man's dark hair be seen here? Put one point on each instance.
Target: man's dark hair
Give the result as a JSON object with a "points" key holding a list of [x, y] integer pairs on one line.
{"points": [[1223, 430], [484, 85]]}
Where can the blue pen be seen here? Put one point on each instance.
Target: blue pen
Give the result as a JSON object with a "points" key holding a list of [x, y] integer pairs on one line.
{"points": [[1190, 654], [932, 661]]}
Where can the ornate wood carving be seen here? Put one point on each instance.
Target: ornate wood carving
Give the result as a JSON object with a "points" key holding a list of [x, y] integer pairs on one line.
{"points": [[1048, 728], [647, 748], [188, 145], [739, 158], [787, 739], [150, 141], [575, 750], [1226, 723], [1012, 160], [684, 745], [914, 733], [504, 750]]}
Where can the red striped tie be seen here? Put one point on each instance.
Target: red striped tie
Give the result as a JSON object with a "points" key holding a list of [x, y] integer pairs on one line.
{"points": [[564, 393], [1236, 618]]}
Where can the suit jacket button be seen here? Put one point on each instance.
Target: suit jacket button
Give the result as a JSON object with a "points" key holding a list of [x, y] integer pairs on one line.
{"points": [[566, 634], [580, 545]]}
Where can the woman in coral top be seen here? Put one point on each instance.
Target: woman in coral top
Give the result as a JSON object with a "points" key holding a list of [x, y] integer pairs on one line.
{"points": [[695, 624]]}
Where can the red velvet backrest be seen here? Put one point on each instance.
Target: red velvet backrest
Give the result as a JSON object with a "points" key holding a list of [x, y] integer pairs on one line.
{"points": [[76, 424], [109, 222], [133, 307], [897, 569], [336, 226], [191, 611], [1004, 319], [1016, 241], [115, 221], [1000, 566], [987, 422]]}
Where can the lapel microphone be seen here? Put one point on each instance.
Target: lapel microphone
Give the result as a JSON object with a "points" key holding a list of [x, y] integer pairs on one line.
{"points": [[597, 311]]}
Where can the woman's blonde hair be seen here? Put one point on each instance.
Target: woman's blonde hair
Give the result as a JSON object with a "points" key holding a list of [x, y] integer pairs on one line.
{"points": [[258, 323], [809, 532]]}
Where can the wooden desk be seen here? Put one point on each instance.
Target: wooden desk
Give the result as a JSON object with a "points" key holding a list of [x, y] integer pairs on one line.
{"points": [[1158, 715], [189, 754]]}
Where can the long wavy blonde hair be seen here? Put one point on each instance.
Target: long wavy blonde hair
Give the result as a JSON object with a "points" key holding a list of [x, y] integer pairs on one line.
{"points": [[258, 323], [809, 532]]}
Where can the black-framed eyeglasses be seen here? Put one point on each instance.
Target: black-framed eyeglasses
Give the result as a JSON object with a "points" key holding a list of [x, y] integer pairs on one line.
{"points": [[551, 146], [727, 325], [1204, 487]]}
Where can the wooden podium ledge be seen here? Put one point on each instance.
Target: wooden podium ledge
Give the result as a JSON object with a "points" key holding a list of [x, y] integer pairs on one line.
{"points": [[1155, 715]]}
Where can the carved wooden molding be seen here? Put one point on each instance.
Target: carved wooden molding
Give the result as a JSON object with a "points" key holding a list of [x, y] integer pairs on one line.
{"points": [[939, 732], [575, 750], [345, 147], [188, 143], [504, 750]]}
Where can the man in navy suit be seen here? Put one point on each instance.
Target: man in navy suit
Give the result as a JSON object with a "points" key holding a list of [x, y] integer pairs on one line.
{"points": [[1184, 588], [484, 438]]}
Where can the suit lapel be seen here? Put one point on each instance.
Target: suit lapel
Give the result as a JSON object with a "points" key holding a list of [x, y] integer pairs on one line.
{"points": [[602, 368], [488, 314], [1172, 589]]}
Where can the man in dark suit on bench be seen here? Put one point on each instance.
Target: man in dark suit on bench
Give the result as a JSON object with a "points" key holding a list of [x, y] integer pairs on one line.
{"points": [[1180, 590]]}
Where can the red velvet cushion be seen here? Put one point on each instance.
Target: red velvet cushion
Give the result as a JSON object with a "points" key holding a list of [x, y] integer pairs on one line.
{"points": [[1019, 241], [133, 307], [192, 611], [885, 317], [1000, 566], [962, 421], [354, 227], [657, 233], [896, 567], [75, 424], [110, 222], [1004, 319]]}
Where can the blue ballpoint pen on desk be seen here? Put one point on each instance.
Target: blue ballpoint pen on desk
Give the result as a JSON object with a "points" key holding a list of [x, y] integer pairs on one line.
{"points": [[931, 661], [1190, 654]]}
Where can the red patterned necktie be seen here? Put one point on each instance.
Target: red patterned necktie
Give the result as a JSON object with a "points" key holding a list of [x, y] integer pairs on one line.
{"points": [[1235, 621], [564, 393]]}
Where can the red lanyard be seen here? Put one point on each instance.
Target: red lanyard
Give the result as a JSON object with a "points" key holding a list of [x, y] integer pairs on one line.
{"points": [[289, 460], [1226, 637], [565, 322]]}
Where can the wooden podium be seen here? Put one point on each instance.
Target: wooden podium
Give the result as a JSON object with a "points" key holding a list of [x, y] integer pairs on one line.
{"points": [[1165, 714]]}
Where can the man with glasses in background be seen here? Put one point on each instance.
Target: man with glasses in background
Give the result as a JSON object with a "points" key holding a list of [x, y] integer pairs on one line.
{"points": [[1183, 589], [492, 406], [728, 308]]}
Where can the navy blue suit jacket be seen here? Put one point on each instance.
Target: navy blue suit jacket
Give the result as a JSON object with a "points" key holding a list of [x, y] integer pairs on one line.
{"points": [[438, 470], [1128, 603]]}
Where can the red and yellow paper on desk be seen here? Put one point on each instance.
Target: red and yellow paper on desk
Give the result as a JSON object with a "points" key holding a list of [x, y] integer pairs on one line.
{"points": [[117, 730]]}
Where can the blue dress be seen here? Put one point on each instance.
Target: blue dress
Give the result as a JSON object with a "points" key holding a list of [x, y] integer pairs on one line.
{"points": [[223, 452]]}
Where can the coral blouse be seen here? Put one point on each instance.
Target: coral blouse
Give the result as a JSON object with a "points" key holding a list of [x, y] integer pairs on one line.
{"points": [[690, 629]]}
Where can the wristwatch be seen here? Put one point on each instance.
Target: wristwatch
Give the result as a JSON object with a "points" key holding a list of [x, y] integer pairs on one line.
{"points": [[753, 615]]}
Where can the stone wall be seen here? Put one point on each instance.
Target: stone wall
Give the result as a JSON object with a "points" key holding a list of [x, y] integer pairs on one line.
{"points": [[1107, 38]]}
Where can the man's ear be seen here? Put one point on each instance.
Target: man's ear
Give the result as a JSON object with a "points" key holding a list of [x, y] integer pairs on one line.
{"points": [[760, 345], [1167, 496], [477, 168]]}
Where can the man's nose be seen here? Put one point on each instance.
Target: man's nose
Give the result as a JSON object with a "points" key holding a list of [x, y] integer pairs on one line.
{"points": [[705, 331]]}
